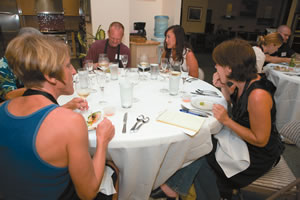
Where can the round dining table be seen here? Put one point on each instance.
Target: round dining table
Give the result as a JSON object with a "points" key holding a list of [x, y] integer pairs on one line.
{"points": [[287, 94], [148, 157]]}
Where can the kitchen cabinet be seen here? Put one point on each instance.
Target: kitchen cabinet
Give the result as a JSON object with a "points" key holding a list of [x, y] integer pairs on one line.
{"points": [[71, 7], [26, 7], [149, 48]]}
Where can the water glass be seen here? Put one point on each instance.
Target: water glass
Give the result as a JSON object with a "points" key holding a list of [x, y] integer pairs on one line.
{"points": [[132, 74], [83, 75], [101, 77], [174, 80], [114, 70], [126, 93], [154, 70]]}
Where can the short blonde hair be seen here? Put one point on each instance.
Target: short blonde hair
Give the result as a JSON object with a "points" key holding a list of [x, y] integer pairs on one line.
{"points": [[33, 56], [271, 38]]}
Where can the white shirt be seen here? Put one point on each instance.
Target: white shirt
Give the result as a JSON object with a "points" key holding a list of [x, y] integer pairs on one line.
{"points": [[260, 58]]}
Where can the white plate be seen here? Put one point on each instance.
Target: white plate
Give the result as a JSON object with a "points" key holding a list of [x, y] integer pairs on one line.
{"points": [[202, 103]]}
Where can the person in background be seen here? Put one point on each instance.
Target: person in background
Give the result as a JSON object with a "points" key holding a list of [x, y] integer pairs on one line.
{"points": [[44, 147], [285, 52], [253, 121], [266, 45], [113, 46], [176, 49], [11, 86]]}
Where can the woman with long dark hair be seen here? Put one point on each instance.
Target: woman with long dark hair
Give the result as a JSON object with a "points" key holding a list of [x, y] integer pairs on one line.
{"points": [[177, 49]]}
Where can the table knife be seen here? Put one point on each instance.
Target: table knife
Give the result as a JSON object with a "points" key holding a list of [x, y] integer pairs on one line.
{"points": [[124, 122]]}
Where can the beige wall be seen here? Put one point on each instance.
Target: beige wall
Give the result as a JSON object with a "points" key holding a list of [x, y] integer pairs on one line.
{"points": [[106, 11], [172, 8], [194, 27], [130, 11], [145, 10]]}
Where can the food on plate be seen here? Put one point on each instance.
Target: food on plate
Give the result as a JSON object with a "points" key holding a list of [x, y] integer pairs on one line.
{"points": [[202, 103], [93, 118], [281, 68]]}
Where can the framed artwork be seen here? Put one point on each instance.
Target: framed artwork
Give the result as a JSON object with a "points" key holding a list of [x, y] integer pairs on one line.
{"points": [[194, 14], [248, 8]]}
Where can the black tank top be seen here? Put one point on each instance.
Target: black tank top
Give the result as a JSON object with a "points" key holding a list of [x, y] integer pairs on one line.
{"points": [[261, 158]]}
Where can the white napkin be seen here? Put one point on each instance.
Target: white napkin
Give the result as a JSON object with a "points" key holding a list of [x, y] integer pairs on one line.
{"points": [[107, 184], [232, 152]]}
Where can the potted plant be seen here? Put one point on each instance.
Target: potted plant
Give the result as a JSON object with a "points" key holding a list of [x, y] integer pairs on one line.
{"points": [[100, 35]]}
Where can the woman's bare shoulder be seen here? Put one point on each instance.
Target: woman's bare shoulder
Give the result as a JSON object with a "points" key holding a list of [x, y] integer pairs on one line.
{"points": [[259, 97], [67, 117]]}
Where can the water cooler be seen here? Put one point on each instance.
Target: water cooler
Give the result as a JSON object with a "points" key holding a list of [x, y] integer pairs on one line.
{"points": [[161, 24]]}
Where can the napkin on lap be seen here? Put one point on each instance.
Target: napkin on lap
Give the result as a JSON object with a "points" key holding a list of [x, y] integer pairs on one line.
{"points": [[232, 152], [107, 184]]}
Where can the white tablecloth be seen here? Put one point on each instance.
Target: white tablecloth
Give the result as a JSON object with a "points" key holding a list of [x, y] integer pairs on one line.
{"points": [[287, 95], [146, 159]]}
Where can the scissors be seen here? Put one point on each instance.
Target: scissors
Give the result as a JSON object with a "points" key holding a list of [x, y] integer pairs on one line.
{"points": [[141, 119]]}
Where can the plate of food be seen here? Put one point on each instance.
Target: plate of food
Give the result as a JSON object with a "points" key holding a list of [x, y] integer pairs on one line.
{"points": [[93, 120], [202, 103], [281, 68]]}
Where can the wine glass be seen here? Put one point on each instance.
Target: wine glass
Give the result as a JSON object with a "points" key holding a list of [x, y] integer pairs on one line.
{"points": [[101, 77], [184, 69], [88, 64], [164, 72], [176, 66], [144, 63], [82, 90], [103, 62], [124, 60], [132, 74]]}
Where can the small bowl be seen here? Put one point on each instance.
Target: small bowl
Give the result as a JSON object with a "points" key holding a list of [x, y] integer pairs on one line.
{"points": [[109, 110]]}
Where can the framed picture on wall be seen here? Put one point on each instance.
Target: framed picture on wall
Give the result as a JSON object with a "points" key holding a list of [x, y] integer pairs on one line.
{"points": [[194, 14]]}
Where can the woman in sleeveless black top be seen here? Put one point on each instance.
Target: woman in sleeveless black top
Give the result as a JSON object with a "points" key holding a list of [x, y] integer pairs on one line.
{"points": [[253, 112], [253, 120]]}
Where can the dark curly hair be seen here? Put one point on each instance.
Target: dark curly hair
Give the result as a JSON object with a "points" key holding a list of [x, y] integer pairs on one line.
{"points": [[239, 56], [180, 42]]}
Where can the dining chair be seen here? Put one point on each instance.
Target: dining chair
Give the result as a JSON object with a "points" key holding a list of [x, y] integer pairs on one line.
{"points": [[280, 182], [291, 131], [112, 165]]}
